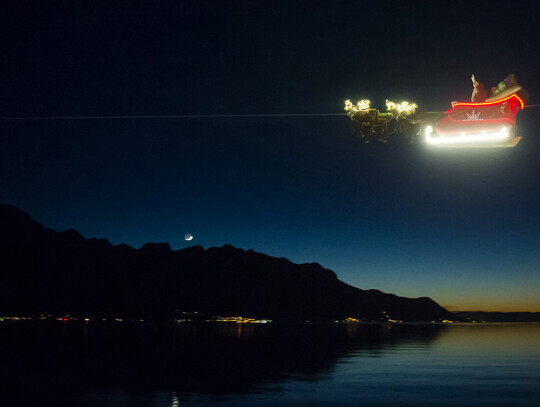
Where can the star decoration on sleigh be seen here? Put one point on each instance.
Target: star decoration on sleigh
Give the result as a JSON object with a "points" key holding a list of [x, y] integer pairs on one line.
{"points": [[473, 116]]}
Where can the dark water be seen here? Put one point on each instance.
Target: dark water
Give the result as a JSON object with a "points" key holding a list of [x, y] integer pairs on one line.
{"points": [[123, 364]]}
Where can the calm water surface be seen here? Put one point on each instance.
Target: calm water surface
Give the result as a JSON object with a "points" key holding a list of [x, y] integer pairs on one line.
{"points": [[56, 364]]}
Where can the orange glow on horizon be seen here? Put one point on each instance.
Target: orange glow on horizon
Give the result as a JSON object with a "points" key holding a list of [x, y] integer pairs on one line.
{"points": [[480, 306]]}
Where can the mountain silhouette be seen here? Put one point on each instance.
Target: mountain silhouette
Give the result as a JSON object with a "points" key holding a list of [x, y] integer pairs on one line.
{"points": [[49, 272]]}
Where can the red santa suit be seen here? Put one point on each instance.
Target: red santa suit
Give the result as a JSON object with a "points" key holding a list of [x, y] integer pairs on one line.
{"points": [[479, 94]]}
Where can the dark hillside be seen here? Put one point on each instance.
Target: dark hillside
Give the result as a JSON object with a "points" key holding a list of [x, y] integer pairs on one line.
{"points": [[44, 271]]}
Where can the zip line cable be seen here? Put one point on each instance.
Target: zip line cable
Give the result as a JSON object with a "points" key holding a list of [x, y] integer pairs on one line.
{"points": [[185, 116]]}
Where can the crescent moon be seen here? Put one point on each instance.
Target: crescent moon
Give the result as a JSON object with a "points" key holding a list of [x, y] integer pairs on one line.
{"points": [[188, 237]]}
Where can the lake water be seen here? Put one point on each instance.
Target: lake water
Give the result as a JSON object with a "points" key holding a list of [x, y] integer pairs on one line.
{"points": [[130, 364]]}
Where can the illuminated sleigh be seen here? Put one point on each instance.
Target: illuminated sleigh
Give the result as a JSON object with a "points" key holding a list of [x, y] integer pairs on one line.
{"points": [[488, 124]]}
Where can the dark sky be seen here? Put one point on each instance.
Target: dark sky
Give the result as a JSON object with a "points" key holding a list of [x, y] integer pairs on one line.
{"points": [[462, 227]]}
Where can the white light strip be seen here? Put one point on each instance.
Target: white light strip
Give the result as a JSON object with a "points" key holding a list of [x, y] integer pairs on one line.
{"points": [[464, 138]]}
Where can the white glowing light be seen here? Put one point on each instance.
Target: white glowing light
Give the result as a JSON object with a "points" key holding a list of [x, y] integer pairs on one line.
{"points": [[188, 236], [463, 138], [403, 107], [473, 116], [361, 105]]}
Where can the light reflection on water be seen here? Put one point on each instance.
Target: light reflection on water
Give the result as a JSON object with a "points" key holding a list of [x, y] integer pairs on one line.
{"points": [[174, 401], [230, 365]]}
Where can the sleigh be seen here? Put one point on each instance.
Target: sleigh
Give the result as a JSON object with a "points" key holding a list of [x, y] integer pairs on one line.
{"points": [[488, 124]]}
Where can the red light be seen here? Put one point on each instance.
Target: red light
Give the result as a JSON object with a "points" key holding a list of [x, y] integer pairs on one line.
{"points": [[65, 319], [489, 103]]}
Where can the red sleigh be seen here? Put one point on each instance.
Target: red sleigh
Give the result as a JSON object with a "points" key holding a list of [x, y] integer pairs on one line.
{"points": [[488, 124]]}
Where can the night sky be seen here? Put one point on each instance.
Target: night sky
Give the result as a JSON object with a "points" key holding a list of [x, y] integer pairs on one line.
{"points": [[462, 227]]}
